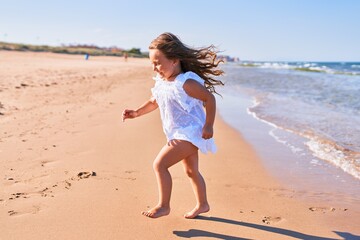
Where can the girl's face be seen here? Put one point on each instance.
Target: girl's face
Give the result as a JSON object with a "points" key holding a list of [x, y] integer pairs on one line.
{"points": [[166, 68]]}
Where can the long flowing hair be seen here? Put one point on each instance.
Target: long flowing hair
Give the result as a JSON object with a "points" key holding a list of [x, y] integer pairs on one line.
{"points": [[201, 61]]}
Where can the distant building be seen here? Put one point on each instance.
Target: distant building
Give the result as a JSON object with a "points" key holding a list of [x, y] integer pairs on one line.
{"points": [[227, 58]]}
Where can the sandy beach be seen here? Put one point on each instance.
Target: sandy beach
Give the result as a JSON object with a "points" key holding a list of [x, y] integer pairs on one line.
{"points": [[71, 169]]}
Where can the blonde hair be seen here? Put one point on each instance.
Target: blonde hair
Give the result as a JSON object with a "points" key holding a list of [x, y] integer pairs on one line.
{"points": [[201, 61]]}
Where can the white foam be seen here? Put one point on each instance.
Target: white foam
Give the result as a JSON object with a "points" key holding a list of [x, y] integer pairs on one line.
{"points": [[293, 148], [275, 65], [292, 66], [315, 162], [253, 114], [330, 154]]}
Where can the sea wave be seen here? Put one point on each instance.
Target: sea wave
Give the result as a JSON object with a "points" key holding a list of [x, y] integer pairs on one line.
{"points": [[321, 148], [345, 159], [306, 67]]}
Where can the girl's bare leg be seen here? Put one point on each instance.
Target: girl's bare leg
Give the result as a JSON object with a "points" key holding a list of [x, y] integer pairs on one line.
{"points": [[191, 167], [170, 154]]}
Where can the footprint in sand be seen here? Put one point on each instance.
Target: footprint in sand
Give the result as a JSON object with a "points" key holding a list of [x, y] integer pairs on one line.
{"points": [[12, 212], [45, 163], [27, 210], [326, 209], [271, 220], [79, 176], [67, 184], [82, 175], [130, 178], [43, 193], [17, 195]]}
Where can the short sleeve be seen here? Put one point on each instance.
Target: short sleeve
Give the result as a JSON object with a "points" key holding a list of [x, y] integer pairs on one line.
{"points": [[194, 76], [184, 99], [155, 89]]}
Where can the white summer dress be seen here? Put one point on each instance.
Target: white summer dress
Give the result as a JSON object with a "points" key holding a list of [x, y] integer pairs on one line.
{"points": [[183, 117]]}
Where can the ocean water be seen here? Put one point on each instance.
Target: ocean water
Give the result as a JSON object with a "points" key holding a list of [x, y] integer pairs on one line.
{"points": [[313, 108]]}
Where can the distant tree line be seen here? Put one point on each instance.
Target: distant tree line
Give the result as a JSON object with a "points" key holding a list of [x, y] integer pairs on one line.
{"points": [[74, 49]]}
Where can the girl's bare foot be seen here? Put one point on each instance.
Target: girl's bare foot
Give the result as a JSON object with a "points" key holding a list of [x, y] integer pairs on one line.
{"points": [[157, 212], [197, 210]]}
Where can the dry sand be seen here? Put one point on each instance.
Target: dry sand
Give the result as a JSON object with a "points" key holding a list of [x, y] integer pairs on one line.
{"points": [[70, 169]]}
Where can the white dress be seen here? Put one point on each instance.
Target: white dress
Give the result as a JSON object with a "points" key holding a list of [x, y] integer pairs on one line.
{"points": [[183, 117]]}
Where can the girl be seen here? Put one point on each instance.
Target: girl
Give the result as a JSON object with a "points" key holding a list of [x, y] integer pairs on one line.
{"points": [[183, 85]]}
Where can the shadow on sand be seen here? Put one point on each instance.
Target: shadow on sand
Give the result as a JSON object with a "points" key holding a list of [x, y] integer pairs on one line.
{"points": [[297, 235]]}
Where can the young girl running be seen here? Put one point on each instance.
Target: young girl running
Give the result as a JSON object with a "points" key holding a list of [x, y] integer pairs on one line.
{"points": [[184, 85]]}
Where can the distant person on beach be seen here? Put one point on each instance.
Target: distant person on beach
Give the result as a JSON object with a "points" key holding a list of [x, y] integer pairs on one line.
{"points": [[184, 85], [126, 56], [87, 56]]}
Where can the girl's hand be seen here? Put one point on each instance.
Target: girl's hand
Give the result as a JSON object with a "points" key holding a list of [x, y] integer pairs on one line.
{"points": [[129, 114], [207, 132]]}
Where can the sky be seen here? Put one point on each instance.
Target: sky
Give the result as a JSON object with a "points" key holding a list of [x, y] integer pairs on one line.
{"points": [[257, 30]]}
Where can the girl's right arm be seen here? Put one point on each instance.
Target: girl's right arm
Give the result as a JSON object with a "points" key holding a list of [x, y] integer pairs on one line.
{"points": [[147, 107]]}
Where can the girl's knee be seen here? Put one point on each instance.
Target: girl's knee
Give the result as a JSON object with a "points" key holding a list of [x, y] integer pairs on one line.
{"points": [[191, 173], [158, 165]]}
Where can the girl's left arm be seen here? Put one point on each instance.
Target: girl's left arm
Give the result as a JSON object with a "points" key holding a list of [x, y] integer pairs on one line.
{"points": [[196, 90]]}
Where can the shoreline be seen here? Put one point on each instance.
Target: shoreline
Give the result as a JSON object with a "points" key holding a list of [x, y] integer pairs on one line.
{"points": [[72, 170], [295, 171], [315, 122]]}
